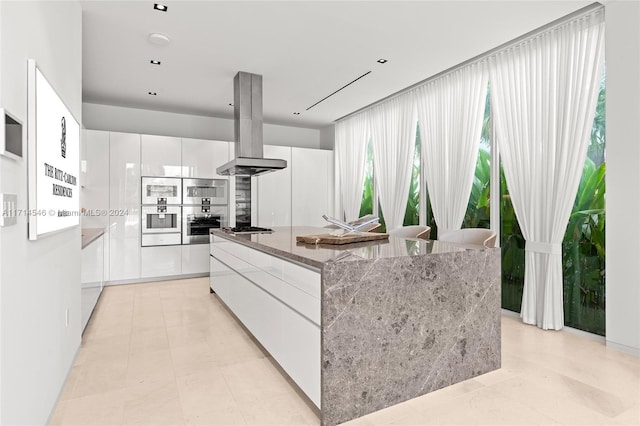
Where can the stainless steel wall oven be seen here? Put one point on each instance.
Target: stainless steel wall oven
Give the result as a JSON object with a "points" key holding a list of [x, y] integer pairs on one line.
{"points": [[205, 206], [198, 220], [204, 191], [181, 211]]}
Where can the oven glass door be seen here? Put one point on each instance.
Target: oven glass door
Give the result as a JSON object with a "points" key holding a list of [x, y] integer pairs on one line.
{"points": [[198, 220], [161, 190], [161, 219]]}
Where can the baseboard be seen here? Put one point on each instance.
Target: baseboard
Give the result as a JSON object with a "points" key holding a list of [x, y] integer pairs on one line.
{"points": [[152, 279], [623, 348], [64, 382]]}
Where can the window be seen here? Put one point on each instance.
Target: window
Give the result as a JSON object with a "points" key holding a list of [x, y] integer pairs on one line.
{"points": [[478, 212], [583, 247]]}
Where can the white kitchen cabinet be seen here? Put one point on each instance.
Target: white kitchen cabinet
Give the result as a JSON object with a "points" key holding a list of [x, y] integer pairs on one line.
{"points": [[124, 206], [160, 261], [94, 193], [273, 299], [201, 158], [195, 258], [161, 156], [311, 186], [274, 191], [91, 278]]}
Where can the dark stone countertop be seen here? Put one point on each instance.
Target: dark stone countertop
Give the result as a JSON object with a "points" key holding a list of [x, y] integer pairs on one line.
{"points": [[282, 243], [89, 235]]}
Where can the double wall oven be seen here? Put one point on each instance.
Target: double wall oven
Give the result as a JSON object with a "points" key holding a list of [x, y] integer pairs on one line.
{"points": [[181, 211], [205, 206]]}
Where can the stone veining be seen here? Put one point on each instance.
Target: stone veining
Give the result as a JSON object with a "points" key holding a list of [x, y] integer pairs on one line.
{"points": [[396, 328]]}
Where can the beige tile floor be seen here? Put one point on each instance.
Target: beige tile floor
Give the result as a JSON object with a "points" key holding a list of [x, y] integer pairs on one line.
{"points": [[169, 353]]}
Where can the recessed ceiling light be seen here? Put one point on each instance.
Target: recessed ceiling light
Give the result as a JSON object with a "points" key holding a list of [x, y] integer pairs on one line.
{"points": [[154, 62], [153, 93], [382, 61], [159, 39], [296, 113], [160, 7]]}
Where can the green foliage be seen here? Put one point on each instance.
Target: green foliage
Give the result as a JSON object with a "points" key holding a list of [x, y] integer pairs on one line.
{"points": [[412, 213], [478, 214], [583, 253], [366, 207]]}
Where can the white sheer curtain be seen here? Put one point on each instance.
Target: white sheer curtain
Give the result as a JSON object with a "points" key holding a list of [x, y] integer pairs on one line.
{"points": [[352, 136], [544, 93], [393, 134], [450, 112]]}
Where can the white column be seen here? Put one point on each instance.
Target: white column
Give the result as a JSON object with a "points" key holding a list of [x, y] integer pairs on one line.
{"points": [[623, 175]]}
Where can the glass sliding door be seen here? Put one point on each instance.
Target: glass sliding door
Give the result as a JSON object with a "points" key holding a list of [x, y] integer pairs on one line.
{"points": [[583, 247]]}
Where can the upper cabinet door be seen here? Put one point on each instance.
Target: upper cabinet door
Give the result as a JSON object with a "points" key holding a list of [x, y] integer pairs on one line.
{"points": [[161, 156], [201, 158], [274, 191], [311, 186], [124, 171]]}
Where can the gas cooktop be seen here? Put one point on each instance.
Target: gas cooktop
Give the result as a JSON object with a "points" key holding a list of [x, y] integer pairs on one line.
{"points": [[239, 230]]}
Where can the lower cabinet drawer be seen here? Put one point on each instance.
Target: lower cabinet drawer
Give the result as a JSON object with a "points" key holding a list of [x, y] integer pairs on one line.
{"points": [[290, 336]]}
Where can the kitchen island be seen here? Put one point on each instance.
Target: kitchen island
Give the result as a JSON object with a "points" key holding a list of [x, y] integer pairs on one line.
{"points": [[363, 326]]}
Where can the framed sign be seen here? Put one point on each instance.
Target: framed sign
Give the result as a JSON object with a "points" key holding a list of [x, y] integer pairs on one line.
{"points": [[53, 140]]}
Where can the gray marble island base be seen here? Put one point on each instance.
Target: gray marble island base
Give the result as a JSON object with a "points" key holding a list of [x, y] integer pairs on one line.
{"points": [[396, 319], [397, 328]]}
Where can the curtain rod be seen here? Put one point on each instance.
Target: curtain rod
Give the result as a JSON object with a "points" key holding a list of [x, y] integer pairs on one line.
{"points": [[555, 23]]}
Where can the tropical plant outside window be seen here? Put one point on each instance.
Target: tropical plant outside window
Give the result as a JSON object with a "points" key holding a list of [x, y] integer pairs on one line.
{"points": [[412, 214], [366, 207], [478, 211], [583, 249]]}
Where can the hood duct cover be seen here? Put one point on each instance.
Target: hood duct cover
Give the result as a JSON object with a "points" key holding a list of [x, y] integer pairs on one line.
{"points": [[247, 120]]}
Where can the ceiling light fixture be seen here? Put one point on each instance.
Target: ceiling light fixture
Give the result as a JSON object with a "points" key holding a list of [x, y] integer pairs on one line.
{"points": [[159, 39], [160, 7], [154, 62], [153, 93], [382, 61]]}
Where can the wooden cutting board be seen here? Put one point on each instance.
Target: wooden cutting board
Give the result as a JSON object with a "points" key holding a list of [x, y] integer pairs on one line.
{"points": [[347, 239]]}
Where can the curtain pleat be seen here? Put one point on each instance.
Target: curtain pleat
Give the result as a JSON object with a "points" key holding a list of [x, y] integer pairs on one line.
{"points": [[450, 113], [544, 91], [352, 136], [393, 133]]}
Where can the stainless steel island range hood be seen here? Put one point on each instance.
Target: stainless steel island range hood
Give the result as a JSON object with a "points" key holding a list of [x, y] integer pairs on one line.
{"points": [[247, 114]]}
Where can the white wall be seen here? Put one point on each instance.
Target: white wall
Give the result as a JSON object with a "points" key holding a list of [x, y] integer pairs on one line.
{"points": [[328, 137], [39, 279], [623, 175], [133, 120]]}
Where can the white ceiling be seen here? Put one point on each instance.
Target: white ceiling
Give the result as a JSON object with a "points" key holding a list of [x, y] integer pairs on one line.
{"points": [[304, 50]]}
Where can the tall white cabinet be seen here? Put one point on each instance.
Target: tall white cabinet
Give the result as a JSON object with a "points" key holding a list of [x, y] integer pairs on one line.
{"points": [[161, 156], [124, 206], [298, 195], [95, 187], [274, 191], [200, 159], [311, 186]]}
